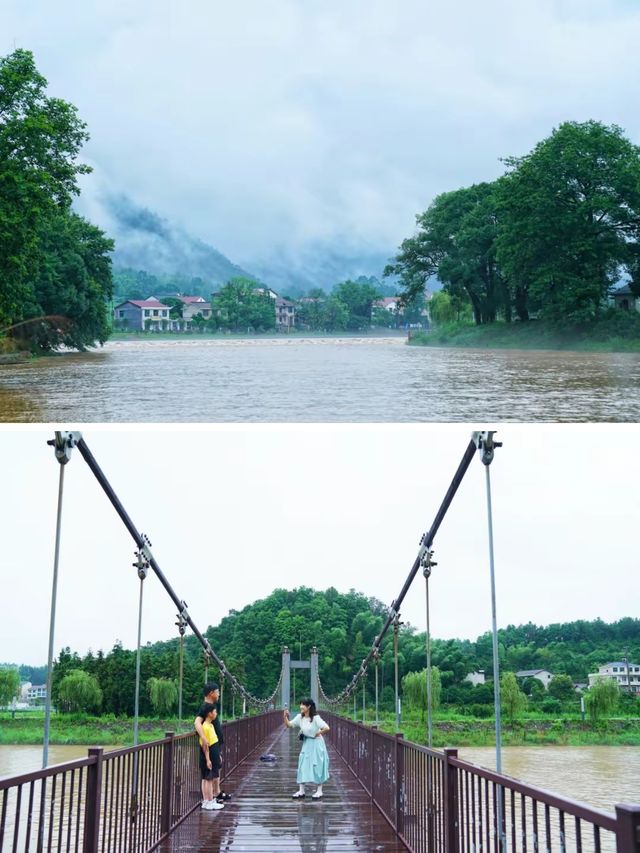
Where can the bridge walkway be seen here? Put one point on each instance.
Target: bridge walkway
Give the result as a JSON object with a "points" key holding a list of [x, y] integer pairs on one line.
{"points": [[262, 817]]}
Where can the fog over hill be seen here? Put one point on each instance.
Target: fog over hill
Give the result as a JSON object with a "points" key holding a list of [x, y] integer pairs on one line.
{"points": [[147, 241]]}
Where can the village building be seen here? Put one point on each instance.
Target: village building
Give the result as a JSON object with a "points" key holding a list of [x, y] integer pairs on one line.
{"points": [[624, 299], [142, 314], [625, 674], [543, 675]]}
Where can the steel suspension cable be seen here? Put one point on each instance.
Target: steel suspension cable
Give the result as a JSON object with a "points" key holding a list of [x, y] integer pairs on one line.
{"points": [[426, 542], [63, 443]]}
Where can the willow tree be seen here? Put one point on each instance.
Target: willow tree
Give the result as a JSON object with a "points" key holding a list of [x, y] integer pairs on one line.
{"points": [[414, 690], [602, 698], [163, 693]]}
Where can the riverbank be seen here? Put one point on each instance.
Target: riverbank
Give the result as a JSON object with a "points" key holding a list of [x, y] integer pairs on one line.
{"points": [[617, 331], [560, 732], [108, 731], [93, 731]]}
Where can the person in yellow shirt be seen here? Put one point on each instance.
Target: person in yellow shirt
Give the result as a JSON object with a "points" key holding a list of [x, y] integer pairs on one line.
{"points": [[209, 758]]}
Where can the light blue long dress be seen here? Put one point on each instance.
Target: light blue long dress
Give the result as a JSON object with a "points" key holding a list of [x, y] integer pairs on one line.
{"points": [[313, 763]]}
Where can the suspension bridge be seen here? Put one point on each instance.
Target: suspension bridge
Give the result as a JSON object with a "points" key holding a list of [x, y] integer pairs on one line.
{"points": [[386, 793]]}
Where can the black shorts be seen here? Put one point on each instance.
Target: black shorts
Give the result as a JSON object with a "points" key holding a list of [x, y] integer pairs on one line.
{"points": [[216, 763]]}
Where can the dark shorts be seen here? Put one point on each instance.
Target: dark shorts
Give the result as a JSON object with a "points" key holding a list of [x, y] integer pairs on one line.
{"points": [[216, 764]]}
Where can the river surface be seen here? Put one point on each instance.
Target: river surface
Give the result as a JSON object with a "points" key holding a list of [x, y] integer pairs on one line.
{"points": [[377, 379], [598, 775]]}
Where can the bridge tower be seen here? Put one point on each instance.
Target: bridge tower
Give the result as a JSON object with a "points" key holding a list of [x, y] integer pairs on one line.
{"points": [[288, 665]]}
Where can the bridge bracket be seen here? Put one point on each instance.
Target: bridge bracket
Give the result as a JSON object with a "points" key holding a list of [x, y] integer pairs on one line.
{"points": [[484, 441], [63, 444]]}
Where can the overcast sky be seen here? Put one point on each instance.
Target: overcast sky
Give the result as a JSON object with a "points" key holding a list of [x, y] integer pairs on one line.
{"points": [[234, 512], [264, 124]]}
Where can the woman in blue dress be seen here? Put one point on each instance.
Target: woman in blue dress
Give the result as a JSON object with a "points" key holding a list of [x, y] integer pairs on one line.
{"points": [[313, 764]]}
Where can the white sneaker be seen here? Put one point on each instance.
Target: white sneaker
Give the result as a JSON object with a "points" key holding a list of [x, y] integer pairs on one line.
{"points": [[213, 806]]}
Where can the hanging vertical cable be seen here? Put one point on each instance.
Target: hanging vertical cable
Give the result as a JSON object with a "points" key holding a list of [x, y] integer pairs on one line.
{"points": [[63, 443], [376, 660], [182, 626], [396, 627], [486, 445], [427, 565]]}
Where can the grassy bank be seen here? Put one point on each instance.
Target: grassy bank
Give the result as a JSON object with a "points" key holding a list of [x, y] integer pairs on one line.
{"points": [[93, 731], [532, 731], [452, 731], [617, 331]]}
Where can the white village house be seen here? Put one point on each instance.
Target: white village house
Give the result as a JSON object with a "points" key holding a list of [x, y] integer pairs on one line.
{"points": [[543, 675], [624, 673], [142, 314]]}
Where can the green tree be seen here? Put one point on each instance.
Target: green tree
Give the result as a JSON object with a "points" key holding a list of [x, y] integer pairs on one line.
{"points": [[512, 699], [176, 306], [79, 692], [358, 297], [73, 281], [570, 220], [242, 305], [335, 315], [456, 240], [9, 685], [414, 690], [163, 693], [561, 687], [602, 698], [40, 138]]}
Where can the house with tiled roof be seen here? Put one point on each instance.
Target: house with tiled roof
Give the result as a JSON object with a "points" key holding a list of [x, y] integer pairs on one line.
{"points": [[142, 314], [193, 305], [625, 299], [543, 675]]}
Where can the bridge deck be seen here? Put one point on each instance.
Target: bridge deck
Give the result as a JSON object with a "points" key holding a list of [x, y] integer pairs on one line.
{"points": [[262, 817]]}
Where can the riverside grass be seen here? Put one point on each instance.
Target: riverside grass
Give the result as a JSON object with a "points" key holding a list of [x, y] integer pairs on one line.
{"points": [[616, 331], [449, 729]]}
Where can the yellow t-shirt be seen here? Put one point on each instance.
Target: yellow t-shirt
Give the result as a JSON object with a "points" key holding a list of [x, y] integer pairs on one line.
{"points": [[209, 732]]}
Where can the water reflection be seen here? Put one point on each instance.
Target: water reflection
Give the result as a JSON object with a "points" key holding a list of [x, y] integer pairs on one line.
{"points": [[315, 379], [313, 828]]}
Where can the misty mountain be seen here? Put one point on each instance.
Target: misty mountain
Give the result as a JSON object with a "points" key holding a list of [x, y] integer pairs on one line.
{"points": [[146, 241], [295, 272]]}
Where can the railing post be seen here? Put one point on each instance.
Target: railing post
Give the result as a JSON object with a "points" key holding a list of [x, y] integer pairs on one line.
{"points": [[371, 760], [628, 831], [167, 787], [450, 801], [399, 780], [91, 832]]}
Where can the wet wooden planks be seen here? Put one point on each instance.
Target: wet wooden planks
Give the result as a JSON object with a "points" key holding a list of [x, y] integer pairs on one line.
{"points": [[262, 817]]}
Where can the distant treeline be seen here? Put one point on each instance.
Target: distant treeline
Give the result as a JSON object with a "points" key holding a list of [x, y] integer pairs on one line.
{"points": [[55, 267], [548, 239], [343, 627]]}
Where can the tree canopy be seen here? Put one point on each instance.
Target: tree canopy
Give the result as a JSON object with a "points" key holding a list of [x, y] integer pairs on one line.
{"points": [[550, 238], [53, 264], [343, 626]]}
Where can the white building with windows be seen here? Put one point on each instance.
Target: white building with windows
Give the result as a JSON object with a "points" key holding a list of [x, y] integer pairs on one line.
{"points": [[624, 673]]}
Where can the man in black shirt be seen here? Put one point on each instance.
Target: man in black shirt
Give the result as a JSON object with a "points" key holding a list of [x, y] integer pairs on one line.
{"points": [[211, 693]]}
